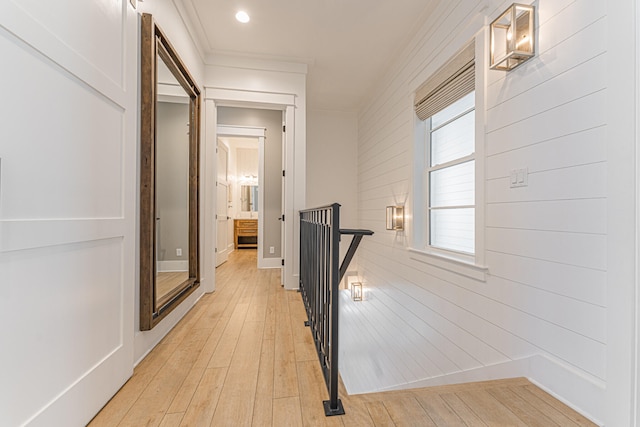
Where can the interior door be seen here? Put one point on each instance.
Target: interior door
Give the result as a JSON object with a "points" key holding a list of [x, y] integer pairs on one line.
{"points": [[222, 205]]}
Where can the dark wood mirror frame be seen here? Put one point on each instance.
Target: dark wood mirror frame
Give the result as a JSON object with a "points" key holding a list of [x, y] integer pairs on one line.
{"points": [[155, 46]]}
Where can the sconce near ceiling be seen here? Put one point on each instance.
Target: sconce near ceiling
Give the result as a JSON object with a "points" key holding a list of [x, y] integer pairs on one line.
{"points": [[395, 217], [356, 291], [512, 38]]}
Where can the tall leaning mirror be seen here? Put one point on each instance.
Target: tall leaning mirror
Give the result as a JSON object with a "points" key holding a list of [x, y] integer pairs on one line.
{"points": [[169, 177]]}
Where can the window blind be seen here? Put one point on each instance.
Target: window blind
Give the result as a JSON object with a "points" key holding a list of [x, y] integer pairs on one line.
{"points": [[451, 82]]}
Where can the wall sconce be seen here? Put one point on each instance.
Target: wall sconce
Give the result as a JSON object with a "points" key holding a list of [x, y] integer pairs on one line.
{"points": [[395, 217], [356, 291], [512, 38]]}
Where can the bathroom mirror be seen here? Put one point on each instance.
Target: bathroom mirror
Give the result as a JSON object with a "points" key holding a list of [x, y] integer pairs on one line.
{"points": [[249, 198], [169, 177]]}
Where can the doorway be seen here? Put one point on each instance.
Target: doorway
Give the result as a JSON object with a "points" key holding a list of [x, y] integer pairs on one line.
{"points": [[252, 201], [293, 155]]}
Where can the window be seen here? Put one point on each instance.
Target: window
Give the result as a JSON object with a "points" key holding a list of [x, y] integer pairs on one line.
{"points": [[445, 175], [450, 173]]}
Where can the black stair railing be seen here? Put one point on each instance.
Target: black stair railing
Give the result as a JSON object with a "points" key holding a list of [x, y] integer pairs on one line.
{"points": [[320, 276]]}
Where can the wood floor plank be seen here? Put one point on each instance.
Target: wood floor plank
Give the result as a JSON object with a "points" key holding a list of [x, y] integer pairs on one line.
{"points": [[356, 412], [408, 412], [314, 393], [302, 339], [462, 410], [285, 375], [270, 314], [172, 420], [379, 414], [205, 399], [439, 411], [212, 343], [223, 354], [490, 410], [264, 403], [183, 397], [286, 413], [521, 408], [116, 409], [552, 407], [155, 400], [236, 403]]}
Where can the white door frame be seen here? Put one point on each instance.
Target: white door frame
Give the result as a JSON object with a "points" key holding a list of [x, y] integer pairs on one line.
{"points": [[294, 196], [259, 133]]}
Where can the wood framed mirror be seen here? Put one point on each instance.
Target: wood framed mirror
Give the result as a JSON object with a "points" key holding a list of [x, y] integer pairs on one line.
{"points": [[169, 177]]}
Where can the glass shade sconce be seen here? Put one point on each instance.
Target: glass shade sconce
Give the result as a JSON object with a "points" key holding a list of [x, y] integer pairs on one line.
{"points": [[512, 38], [395, 217], [356, 291]]}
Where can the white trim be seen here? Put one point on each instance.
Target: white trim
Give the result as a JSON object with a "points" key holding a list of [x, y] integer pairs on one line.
{"points": [[269, 262], [482, 65], [452, 262], [171, 266], [622, 191], [242, 131], [293, 189], [254, 99], [635, 417], [208, 196]]}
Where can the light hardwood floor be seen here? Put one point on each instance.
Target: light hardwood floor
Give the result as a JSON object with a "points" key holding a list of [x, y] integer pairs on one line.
{"points": [[243, 357]]}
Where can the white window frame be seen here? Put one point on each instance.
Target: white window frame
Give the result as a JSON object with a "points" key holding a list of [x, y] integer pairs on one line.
{"points": [[472, 266]]}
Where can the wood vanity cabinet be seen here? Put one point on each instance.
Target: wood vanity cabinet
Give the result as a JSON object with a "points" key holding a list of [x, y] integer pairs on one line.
{"points": [[245, 233]]}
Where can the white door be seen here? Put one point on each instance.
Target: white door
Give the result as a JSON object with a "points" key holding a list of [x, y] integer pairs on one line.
{"points": [[222, 205]]}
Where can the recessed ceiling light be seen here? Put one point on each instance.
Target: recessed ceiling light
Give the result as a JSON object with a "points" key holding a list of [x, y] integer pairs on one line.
{"points": [[243, 17]]}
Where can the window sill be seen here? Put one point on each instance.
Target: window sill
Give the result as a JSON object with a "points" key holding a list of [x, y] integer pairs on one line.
{"points": [[450, 262]]}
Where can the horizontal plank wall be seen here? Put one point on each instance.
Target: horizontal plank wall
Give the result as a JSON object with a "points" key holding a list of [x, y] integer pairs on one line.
{"points": [[542, 310]]}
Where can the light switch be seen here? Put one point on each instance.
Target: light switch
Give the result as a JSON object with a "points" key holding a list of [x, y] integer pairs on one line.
{"points": [[519, 177]]}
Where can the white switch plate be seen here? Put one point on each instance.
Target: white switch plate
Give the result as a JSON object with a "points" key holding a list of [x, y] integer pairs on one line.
{"points": [[519, 177], [179, 252], [272, 250]]}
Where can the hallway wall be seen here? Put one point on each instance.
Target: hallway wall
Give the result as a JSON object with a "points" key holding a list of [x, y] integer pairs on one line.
{"points": [[68, 207], [332, 166], [542, 309]]}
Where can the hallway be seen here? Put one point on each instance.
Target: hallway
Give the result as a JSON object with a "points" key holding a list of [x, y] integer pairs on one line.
{"points": [[242, 357]]}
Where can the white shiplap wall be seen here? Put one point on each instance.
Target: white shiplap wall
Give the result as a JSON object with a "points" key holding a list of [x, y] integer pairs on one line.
{"points": [[542, 311]]}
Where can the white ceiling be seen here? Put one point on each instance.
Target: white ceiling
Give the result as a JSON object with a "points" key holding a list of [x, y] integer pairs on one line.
{"points": [[347, 44]]}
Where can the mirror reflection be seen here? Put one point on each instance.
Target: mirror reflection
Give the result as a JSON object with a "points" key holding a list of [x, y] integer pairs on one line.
{"points": [[172, 186], [249, 198]]}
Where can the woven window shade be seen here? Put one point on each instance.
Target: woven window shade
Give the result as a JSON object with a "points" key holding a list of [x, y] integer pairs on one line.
{"points": [[451, 82]]}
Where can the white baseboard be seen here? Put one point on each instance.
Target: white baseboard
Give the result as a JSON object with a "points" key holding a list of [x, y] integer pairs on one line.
{"points": [[168, 266], [269, 262]]}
